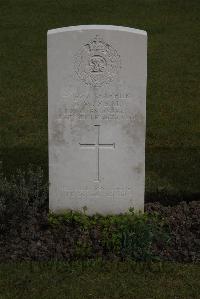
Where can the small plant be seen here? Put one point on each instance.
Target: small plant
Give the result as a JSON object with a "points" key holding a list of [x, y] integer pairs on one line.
{"points": [[131, 235]]}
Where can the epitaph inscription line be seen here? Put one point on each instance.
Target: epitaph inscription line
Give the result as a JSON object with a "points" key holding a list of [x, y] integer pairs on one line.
{"points": [[97, 146]]}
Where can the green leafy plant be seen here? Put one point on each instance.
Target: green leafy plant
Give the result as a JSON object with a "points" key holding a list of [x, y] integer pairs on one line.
{"points": [[130, 235]]}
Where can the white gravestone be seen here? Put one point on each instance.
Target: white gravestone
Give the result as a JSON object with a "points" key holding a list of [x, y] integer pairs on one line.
{"points": [[97, 117]]}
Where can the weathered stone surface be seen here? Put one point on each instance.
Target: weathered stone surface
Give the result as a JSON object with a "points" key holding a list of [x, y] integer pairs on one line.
{"points": [[97, 115]]}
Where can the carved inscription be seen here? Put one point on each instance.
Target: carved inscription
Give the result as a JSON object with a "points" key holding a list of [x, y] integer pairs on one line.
{"points": [[99, 191], [105, 107], [97, 62]]}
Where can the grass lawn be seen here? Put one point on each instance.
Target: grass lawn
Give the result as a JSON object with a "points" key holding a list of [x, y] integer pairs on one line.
{"points": [[173, 109], [99, 280]]}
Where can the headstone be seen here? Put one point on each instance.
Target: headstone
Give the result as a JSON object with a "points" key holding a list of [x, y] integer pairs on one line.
{"points": [[97, 118]]}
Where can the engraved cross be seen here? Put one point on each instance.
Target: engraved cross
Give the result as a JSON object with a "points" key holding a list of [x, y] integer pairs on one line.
{"points": [[97, 146]]}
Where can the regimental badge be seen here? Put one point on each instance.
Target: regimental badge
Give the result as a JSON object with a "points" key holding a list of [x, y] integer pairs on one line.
{"points": [[97, 63]]}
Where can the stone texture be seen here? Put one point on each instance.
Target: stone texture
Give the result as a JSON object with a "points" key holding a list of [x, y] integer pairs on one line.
{"points": [[97, 118]]}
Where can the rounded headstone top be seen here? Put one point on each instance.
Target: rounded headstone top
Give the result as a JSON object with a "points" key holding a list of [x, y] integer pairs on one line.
{"points": [[96, 27]]}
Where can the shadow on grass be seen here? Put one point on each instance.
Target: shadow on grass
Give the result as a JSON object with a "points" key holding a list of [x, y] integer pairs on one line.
{"points": [[20, 157], [171, 199], [172, 175], [166, 179]]}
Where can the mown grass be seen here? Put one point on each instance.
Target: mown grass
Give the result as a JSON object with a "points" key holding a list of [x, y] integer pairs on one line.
{"points": [[173, 126], [97, 279]]}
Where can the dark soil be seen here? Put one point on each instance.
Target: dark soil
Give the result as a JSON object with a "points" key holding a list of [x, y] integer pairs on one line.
{"points": [[35, 239], [184, 223]]}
